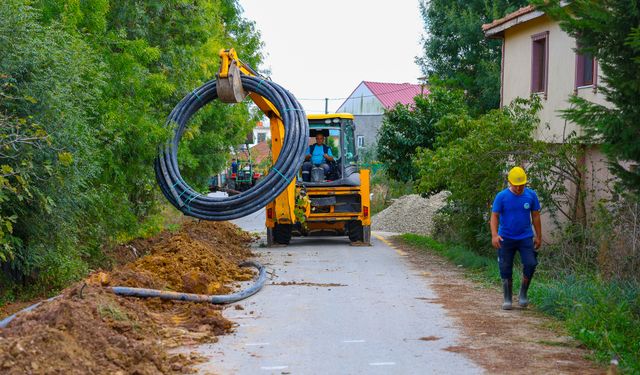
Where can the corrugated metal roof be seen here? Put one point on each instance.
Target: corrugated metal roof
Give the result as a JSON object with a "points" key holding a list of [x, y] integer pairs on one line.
{"points": [[391, 94]]}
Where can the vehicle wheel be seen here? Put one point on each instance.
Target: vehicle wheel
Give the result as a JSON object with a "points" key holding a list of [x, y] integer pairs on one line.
{"points": [[355, 231], [231, 184], [282, 233]]}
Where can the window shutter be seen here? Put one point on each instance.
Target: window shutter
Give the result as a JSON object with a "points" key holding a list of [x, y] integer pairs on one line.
{"points": [[540, 62]]}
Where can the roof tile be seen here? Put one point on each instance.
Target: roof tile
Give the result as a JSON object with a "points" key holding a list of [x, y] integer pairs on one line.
{"points": [[391, 94]]}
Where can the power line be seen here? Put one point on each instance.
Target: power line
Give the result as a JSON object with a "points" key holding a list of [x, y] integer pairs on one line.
{"points": [[362, 96]]}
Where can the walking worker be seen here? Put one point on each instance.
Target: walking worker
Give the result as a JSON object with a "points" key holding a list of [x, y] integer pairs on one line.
{"points": [[513, 211]]}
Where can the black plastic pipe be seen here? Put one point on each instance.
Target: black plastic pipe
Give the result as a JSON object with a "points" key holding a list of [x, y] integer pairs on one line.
{"points": [[215, 299], [285, 168], [148, 293]]}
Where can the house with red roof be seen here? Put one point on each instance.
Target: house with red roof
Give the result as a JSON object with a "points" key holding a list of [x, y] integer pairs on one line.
{"points": [[369, 101]]}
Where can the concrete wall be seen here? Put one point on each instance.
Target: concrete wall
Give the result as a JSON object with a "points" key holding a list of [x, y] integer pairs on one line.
{"points": [[368, 126]]}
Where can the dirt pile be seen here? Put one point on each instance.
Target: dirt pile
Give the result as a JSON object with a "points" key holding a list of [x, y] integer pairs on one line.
{"points": [[200, 259], [410, 214], [91, 330]]}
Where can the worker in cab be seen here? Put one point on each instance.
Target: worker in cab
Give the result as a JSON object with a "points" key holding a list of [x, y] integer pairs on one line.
{"points": [[318, 155], [514, 210]]}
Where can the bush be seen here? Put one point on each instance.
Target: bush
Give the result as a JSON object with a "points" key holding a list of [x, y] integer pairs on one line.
{"points": [[85, 87], [407, 127], [470, 159], [385, 190]]}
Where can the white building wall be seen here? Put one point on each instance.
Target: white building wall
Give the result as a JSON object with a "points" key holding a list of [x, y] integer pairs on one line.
{"points": [[561, 75], [264, 129], [361, 102]]}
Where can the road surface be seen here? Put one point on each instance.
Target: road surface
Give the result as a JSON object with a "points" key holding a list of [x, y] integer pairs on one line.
{"points": [[336, 309]]}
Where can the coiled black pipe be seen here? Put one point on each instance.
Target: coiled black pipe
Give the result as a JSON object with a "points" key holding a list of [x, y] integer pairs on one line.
{"points": [[291, 157]]}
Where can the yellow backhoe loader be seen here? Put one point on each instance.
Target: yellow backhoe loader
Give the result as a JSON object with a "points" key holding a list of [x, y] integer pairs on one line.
{"points": [[337, 202]]}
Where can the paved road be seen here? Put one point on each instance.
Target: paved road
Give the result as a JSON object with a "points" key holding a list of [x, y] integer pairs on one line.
{"points": [[336, 309]]}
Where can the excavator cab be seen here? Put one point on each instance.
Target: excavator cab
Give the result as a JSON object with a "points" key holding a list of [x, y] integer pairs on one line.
{"points": [[338, 202], [338, 131], [333, 203]]}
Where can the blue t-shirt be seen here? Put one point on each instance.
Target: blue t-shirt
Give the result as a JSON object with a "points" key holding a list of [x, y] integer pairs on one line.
{"points": [[317, 157], [515, 213]]}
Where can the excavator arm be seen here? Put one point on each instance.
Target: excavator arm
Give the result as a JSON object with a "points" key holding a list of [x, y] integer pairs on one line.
{"points": [[229, 90], [229, 86]]}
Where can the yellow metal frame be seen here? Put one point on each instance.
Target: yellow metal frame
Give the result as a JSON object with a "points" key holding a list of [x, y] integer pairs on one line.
{"points": [[347, 116]]}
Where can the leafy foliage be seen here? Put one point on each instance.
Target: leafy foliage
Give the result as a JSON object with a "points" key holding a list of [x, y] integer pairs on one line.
{"points": [[85, 87], [609, 31], [407, 127], [470, 159], [456, 50]]}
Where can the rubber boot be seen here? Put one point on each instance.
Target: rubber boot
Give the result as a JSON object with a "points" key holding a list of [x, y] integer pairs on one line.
{"points": [[523, 301], [507, 285]]}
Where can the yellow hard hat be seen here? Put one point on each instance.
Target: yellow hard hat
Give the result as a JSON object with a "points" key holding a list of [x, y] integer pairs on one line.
{"points": [[517, 176]]}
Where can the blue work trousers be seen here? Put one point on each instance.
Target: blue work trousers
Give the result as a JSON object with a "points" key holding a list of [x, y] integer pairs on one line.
{"points": [[528, 257]]}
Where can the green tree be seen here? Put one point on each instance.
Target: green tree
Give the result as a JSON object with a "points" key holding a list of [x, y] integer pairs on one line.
{"points": [[470, 159], [610, 32], [93, 81], [456, 50], [407, 127], [51, 82]]}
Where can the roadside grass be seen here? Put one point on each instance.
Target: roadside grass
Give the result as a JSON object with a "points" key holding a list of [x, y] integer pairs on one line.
{"points": [[603, 315]]}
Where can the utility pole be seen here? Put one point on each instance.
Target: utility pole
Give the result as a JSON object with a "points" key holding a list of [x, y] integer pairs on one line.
{"points": [[326, 105]]}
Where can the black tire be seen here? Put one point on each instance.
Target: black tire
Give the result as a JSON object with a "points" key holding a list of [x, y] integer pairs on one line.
{"points": [[282, 233], [355, 231]]}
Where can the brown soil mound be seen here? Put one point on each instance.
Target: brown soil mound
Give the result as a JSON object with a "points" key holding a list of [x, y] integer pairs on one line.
{"points": [[91, 330]]}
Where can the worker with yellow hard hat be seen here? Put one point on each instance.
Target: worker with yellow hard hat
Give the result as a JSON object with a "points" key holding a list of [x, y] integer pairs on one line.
{"points": [[514, 210]]}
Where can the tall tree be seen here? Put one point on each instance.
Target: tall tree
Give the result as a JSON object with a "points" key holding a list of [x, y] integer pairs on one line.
{"points": [[405, 128], [85, 87], [456, 51], [609, 31]]}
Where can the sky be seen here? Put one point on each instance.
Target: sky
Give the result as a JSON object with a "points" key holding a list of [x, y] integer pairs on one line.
{"points": [[324, 48]]}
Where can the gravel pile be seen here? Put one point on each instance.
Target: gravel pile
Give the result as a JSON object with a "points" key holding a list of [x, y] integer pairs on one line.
{"points": [[409, 214]]}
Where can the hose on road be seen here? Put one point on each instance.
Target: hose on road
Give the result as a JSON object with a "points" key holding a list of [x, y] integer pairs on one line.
{"points": [[215, 299], [148, 293], [289, 161]]}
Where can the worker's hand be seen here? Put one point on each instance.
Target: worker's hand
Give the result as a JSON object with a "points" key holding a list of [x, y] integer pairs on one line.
{"points": [[495, 241], [537, 241], [326, 156], [307, 157]]}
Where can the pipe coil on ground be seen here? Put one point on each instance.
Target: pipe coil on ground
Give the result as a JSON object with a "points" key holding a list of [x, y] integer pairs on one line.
{"points": [[291, 157]]}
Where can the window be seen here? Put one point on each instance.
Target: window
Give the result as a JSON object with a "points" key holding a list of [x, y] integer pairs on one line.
{"points": [[360, 141], [349, 149], [262, 137], [585, 70], [539, 62]]}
